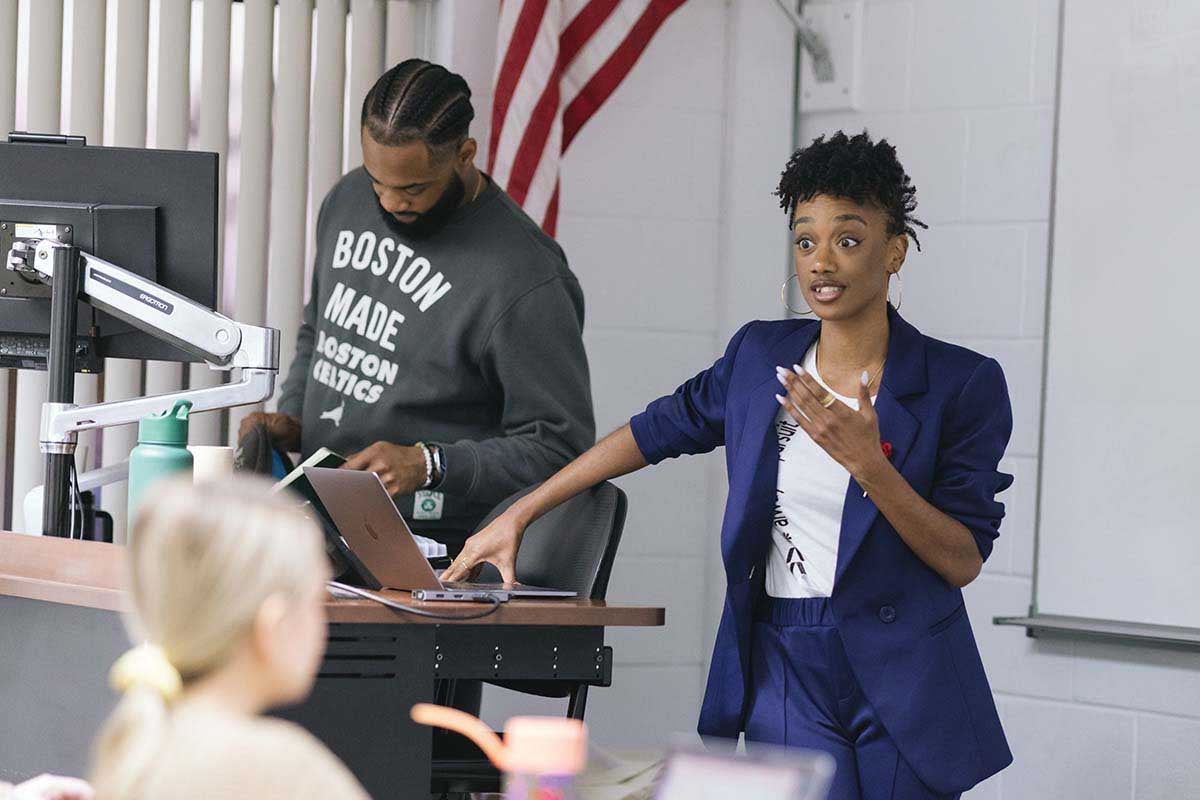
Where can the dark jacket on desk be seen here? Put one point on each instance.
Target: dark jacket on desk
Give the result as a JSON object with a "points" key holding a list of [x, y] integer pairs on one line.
{"points": [[946, 413]]}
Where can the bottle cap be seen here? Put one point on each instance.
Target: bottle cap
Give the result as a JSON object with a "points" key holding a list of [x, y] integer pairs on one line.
{"points": [[166, 427], [545, 745]]}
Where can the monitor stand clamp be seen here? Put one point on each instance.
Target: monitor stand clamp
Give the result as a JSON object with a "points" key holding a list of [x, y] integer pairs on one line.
{"points": [[78, 276]]}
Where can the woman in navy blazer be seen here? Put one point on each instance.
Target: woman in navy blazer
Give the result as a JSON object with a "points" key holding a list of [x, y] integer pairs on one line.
{"points": [[884, 672]]}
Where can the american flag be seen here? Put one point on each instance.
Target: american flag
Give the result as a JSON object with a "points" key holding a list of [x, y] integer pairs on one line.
{"points": [[557, 62]]}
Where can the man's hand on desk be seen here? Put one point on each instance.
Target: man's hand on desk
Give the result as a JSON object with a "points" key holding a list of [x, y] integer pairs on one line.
{"points": [[284, 429], [402, 469]]}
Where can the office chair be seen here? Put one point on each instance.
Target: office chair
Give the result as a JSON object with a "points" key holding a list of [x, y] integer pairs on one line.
{"points": [[572, 547]]}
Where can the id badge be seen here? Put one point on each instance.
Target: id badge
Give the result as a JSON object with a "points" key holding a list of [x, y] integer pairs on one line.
{"points": [[428, 505]]}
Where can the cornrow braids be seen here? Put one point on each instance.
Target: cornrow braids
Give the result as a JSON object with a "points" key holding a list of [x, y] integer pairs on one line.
{"points": [[857, 169], [417, 101]]}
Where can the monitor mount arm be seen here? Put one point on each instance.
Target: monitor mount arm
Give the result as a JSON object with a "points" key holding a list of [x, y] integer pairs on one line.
{"points": [[222, 343]]}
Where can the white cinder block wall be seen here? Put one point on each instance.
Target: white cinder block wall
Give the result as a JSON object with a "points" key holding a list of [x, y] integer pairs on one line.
{"points": [[649, 189], [667, 219], [965, 89]]}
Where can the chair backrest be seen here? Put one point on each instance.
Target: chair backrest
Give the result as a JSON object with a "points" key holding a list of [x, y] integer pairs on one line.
{"points": [[573, 546]]}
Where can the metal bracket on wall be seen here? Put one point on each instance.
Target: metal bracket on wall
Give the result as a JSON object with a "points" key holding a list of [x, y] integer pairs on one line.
{"points": [[829, 41], [1167, 636], [811, 41]]}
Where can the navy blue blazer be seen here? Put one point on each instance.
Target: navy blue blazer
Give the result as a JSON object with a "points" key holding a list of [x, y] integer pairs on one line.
{"points": [[946, 413]]}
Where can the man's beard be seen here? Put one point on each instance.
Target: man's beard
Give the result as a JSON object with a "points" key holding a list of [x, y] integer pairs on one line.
{"points": [[430, 222]]}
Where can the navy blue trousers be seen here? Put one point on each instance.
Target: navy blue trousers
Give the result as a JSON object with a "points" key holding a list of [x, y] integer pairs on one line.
{"points": [[803, 694]]}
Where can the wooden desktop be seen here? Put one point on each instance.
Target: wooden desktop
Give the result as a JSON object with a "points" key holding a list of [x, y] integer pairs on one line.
{"points": [[60, 603]]}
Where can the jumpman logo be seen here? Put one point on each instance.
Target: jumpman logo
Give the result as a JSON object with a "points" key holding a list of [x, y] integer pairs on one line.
{"points": [[335, 414]]}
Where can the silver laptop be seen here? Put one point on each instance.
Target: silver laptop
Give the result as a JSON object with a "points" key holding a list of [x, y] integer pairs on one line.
{"points": [[381, 547], [770, 773]]}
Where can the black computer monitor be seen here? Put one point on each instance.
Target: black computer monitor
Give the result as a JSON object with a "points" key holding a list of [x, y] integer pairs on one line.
{"points": [[152, 212]]}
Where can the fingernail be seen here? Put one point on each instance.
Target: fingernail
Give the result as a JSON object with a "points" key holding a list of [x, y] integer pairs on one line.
{"points": [[782, 377], [865, 378], [781, 399], [781, 370], [799, 369]]}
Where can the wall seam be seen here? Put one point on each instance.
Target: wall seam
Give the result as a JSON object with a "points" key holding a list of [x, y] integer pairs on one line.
{"points": [[1133, 760], [1091, 705]]}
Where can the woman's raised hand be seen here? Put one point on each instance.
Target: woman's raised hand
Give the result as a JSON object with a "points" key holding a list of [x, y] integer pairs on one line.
{"points": [[850, 437], [497, 544]]}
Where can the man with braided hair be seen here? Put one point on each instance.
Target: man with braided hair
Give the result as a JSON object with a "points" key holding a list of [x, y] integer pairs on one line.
{"points": [[442, 345]]}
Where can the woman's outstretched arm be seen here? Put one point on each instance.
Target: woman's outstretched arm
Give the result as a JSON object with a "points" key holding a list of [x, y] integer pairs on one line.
{"points": [[615, 455]]}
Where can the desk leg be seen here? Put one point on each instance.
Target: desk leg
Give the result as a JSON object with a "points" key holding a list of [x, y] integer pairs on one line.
{"points": [[370, 678]]}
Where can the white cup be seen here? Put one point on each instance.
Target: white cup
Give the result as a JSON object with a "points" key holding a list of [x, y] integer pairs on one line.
{"points": [[210, 462]]}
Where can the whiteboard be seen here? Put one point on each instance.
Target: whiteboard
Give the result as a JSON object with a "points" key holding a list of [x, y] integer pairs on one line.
{"points": [[1119, 521]]}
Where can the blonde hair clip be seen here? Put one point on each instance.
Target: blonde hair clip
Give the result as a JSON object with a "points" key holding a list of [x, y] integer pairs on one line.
{"points": [[146, 665]]}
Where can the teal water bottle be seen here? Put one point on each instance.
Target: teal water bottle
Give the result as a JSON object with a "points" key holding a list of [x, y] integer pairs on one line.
{"points": [[161, 452]]}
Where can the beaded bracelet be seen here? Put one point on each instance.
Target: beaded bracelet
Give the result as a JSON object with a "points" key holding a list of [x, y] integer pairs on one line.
{"points": [[428, 465]]}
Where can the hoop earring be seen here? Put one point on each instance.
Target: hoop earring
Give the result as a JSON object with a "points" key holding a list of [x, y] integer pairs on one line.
{"points": [[783, 293], [899, 290]]}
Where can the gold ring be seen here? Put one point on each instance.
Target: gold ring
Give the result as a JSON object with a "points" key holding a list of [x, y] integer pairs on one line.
{"points": [[828, 400]]}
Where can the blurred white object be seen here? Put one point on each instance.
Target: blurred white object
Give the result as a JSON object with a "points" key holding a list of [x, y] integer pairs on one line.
{"points": [[429, 548], [32, 505], [210, 462], [52, 787], [631, 775], [763, 772]]}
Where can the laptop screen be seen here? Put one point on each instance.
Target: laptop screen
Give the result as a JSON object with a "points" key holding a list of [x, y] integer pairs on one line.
{"points": [[774, 775]]}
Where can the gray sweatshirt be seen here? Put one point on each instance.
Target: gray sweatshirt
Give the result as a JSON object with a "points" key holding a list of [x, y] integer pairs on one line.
{"points": [[471, 338]]}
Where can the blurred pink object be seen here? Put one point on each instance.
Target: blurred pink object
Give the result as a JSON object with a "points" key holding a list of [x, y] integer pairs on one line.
{"points": [[540, 756]]}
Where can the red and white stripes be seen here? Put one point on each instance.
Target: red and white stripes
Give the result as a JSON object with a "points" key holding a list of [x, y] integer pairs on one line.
{"points": [[558, 61]]}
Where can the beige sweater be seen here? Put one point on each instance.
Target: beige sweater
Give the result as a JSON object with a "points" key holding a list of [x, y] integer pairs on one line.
{"points": [[212, 755]]}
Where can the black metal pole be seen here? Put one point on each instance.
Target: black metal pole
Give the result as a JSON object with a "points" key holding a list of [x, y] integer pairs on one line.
{"points": [[60, 368]]}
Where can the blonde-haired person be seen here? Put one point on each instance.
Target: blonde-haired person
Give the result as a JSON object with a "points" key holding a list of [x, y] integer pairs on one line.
{"points": [[227, 588]]}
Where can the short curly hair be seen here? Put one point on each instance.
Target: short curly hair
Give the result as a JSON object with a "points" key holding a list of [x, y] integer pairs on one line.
{"points": [[855, 168]]}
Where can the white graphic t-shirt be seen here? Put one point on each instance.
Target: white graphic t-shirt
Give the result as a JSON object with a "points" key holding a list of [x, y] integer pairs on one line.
{"points": [[809, 495]]}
